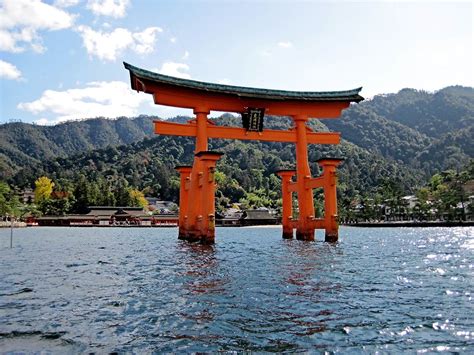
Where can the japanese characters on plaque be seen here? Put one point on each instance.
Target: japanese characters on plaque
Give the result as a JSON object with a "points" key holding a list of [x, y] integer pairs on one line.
{"points": [[252, 119]]}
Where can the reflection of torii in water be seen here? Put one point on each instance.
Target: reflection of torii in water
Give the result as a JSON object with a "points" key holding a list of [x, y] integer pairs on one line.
{"points": [[197, 205]]}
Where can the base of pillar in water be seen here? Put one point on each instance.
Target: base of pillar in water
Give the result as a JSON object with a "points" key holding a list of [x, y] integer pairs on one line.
{"points": [[196, 237], [207, 240], [305, 235], [331, 236]]}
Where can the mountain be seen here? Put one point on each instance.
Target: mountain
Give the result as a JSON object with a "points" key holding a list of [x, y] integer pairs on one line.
{"points": [[434, 115], [453, 150], [403, 137], [23, 144], [363, 127], [149, 165], [427, 131]]}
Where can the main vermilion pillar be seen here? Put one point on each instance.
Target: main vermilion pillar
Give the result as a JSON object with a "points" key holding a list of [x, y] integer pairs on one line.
{"points": [[304, 230], [330, 198], [194, 194], [203, 228], [287, 202]]}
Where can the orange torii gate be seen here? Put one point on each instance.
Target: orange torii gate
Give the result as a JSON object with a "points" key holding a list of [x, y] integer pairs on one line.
{"points": [[197, 202]]}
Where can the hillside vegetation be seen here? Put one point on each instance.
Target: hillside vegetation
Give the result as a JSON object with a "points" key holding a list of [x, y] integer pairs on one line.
{"points": [[401, 138]]}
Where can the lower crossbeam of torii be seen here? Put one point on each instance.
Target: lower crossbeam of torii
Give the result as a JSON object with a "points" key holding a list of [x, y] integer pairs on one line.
{"points": [[197, 189]]}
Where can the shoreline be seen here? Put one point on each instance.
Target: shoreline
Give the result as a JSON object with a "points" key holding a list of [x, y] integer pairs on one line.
{"points": [[16, 224], [410, 224], [361, 225]]}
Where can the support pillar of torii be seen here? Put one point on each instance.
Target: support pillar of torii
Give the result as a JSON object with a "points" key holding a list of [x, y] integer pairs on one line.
{"points": [[327, 181]]}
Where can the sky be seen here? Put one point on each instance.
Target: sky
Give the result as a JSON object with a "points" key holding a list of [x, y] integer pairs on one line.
{"points": [[62, 60]]}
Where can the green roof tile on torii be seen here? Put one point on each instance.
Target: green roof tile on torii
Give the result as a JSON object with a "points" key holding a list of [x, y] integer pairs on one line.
{"points": [[241, 91]]}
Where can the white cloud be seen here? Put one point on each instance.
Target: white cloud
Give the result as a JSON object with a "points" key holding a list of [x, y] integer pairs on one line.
{"points": [[9, 71], [173, 39], [185, 55], [105, 45], [20, 21], [33, 14], [174, 69], [38, 47], [66, 3], [109, 45], [285, 44], [145, 40], [113, 8], [107, 99], [8, 42]]}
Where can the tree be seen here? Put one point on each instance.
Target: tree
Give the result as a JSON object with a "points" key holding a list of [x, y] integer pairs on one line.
{"points": [[137, 198], [55, 206], [122, 194], [43, 188], [106, 197], [255, 199], [93, 194], [15, 206], [422, 205], [81, 195], [4, 203]]}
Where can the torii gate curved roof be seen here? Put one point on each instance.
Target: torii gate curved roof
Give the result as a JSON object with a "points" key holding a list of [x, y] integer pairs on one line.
{"points": [[178, 92]]}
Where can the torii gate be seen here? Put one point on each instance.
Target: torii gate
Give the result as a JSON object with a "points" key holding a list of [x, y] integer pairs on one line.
{"points": [[197, 190]]}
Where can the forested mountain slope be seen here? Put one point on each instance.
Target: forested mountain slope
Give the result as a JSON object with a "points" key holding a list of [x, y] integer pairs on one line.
{"points": [[405, 137], [447, 110], [23, 144], [361, 126], [149, 165]]}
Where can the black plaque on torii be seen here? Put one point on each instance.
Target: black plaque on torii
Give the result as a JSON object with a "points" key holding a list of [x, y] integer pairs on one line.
{"points": [[252, 119]]}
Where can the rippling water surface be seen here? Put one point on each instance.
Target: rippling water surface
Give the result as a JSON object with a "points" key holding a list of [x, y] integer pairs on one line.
{"points": [[142, 290]]}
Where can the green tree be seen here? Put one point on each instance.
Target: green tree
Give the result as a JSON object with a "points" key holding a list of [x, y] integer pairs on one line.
{"points": [[122, 194], [255, 199], [81, 195], [422, 205], [93, 194], [9, 202], [15, 205], [4, 203], [106, 197], [55, 206]]}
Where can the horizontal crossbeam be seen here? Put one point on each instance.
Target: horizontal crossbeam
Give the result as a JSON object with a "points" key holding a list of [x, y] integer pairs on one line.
{"points": [[310, 183], [268, 135]]}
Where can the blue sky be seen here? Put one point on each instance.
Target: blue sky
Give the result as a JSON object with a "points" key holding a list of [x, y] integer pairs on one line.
{"points": [[62, 59]]}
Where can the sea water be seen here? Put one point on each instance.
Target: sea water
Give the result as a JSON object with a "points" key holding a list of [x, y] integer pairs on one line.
{"points": [[67, 290]]}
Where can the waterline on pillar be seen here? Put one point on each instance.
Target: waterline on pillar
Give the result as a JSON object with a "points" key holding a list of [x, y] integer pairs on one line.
{"points": [[331, 237], [307, 235]]}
